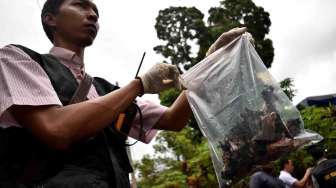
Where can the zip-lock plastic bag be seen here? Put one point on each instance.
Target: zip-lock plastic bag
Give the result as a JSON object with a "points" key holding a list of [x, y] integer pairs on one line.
{"points": [[242, 111]]}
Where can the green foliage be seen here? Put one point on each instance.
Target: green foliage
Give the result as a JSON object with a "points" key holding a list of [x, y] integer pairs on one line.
{"points": [[179, 27], [168, 96], [322, 121], [184, 31], [287, 86], [151, 176], [176, 160], [181, 146], [146, 167], [235, 13]]}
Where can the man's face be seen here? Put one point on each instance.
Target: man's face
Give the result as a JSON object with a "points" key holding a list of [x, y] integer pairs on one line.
{"points": [[77, 22], [289, 166]]}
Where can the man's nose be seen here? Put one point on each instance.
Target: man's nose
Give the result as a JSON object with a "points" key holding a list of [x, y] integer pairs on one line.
{"points": [[93, 16]]}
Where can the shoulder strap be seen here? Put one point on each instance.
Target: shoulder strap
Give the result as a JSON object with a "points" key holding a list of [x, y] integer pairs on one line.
{"points": [[82, 90]]}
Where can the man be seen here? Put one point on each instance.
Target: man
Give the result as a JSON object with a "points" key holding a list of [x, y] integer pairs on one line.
{"points": [[264, 178], [285, 174], [49, 136], [324, 173]]}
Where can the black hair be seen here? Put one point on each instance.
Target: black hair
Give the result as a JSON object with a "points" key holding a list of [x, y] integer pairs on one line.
{"points": [[267, 168], [283, 162], [317, 152], [51, 7]]}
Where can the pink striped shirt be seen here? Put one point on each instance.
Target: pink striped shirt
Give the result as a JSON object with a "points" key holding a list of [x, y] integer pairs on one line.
{"points": [[24, 82]]}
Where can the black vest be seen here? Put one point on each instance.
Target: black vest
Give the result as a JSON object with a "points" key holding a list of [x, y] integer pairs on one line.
{"points": [[325, 173], [25, 161]]}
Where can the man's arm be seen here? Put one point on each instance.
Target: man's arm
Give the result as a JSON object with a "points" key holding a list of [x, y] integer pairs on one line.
{"points": [[59, 127], [176, 116], [28, 95], [301, 183]]}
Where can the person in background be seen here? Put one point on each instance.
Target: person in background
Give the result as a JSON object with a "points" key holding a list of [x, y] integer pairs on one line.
{"points": [[286, 177], [324, 173], [264, 177]]}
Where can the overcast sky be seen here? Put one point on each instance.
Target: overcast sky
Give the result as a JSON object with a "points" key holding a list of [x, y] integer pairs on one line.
{"points": [[303, 34]]}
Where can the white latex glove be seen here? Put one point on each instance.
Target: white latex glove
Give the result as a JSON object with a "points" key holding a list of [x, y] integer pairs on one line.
{"points": [[227, 37], [160, 77]]}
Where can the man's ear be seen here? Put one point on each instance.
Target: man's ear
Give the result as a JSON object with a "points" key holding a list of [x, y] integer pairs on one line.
{"points": [[50, 20]]}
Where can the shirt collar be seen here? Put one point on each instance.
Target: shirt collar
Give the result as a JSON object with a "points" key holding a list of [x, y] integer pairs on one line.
{"points": [[68, 56], [284, 172], [321, 160], [70, 60]]}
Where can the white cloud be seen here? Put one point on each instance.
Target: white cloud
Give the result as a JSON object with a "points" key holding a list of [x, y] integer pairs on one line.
{"points": [[303, 38]]}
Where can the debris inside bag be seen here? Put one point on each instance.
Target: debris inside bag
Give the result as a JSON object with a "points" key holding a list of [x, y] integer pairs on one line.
{"points": [[242, 149]]}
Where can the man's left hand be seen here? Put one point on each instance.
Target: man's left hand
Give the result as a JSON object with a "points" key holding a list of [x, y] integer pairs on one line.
{"points": [[227, 37]]}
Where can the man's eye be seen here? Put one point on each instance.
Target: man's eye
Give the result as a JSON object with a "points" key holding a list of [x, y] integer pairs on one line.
{"points": [[81, 5]]}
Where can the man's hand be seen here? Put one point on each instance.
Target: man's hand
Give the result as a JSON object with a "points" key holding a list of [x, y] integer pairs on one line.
{"points": [[309, 170], [160, 77], [304, 180], [227, 37]]}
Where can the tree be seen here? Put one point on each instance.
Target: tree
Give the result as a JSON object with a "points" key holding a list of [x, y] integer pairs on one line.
{"points": [[185, 32], [287, 86], [235, 13], [177, 160], [179, 27]]}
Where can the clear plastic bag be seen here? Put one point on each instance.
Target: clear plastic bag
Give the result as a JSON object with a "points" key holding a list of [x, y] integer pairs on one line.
{"points": [[242, 111]]}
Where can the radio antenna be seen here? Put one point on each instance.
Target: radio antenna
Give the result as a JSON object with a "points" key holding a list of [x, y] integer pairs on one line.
{"points": [[143, 56]]}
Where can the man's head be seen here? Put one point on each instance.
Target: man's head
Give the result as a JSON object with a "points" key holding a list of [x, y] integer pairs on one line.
{"points": [[267, 168], [70, 20], [287, 165], [317, 152]]}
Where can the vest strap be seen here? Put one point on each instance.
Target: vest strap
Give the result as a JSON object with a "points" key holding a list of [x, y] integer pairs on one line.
{"points": [[82, 90]]}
